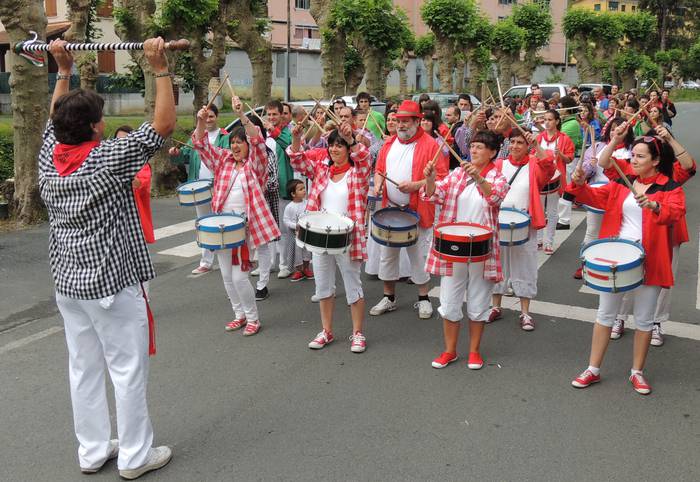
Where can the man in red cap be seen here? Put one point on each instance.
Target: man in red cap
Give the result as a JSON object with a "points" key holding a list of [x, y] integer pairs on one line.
{"points": [[403, 159]]}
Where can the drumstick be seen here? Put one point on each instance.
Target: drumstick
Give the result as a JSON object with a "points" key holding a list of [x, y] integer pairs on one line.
{"points": [[500, 93], [624, 178], [329, 113], [449, 147], [583, 146], [230, 87], [180, 142], [221, 85], [254, 113], [387, 178], [364, 126]]}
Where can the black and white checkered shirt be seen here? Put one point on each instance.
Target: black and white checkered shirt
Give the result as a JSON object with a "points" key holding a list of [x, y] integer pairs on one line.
{"points": [[96, 246]]}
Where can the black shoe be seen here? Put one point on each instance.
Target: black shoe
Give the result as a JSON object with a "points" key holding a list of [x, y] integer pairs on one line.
{"points": [[261, 294], [562, 227]]}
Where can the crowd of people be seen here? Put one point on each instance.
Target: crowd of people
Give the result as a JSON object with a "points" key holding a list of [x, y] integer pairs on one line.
{"points": [[454, 171]]}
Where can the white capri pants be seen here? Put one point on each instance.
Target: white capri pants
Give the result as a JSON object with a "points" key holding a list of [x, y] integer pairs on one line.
{"points": [[564, 208], [207, 255], [643, 300], [519, 268], [324, 275], [550, 202], [116, 334], [238, 287], [593, 223], [266, 259], [467, 279], [389, 264]]}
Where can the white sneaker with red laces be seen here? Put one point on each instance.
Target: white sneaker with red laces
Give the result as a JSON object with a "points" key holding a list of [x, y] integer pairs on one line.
{"points": [[526, 322], [321, 340], [618, 329], [640, 384], [585, 379], [657, 337], [358, 342], [251, 328]]}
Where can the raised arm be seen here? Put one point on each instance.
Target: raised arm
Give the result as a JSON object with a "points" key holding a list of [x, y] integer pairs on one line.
{"points": [[616, 137], [164, 117], [64, 59], [210, 155]]}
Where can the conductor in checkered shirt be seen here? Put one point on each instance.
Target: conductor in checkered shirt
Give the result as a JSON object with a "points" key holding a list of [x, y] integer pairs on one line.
{"points": [[99, 260]]}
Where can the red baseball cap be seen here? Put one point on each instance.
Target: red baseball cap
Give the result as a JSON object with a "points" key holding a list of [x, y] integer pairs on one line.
{"points": [[408, 108]]}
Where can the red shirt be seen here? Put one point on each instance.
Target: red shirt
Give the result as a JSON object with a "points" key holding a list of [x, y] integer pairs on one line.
{"points": [[142, 197]]}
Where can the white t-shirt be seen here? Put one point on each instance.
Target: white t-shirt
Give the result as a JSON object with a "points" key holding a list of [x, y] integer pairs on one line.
{"points": [[292, 212], [471, 207], [235, 201], [399, 167], [334, 198], [631, 219], [204, 172], [519, 194]]}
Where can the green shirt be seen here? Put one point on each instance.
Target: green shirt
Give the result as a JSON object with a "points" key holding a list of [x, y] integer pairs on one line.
{"points": [[571, 128], [282, 141], [190, 156], [376, 124]]}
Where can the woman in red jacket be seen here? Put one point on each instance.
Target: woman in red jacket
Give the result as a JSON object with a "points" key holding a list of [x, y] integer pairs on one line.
{"points": [[648, 219]]}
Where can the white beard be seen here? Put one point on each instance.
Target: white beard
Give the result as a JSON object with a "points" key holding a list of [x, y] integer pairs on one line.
{"points": [[406, 135]]}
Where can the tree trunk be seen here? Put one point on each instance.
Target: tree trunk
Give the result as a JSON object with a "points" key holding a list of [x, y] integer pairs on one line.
{"points": [[505, 64], [373, 61], [258, 48], [584, 64], [353, 79], [402, 63], [86, 62], [332, 50], [445, 51], [663, 32], [460, 65], [628, 81], [29, 94], [430, 65]]}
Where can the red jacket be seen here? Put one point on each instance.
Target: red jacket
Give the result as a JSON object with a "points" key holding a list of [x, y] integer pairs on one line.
{"points": [[142, 196], [566, 146], [656, 228], [425, 150], [541, 171]]}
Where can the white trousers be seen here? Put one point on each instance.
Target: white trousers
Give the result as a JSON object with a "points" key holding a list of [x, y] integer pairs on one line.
{"points": [[266, 259], [207, 255], [663, 305], [389, 269], [550, 202], [324, 275], [116, 338], [564, 208], [519, 268], [374, 255], [467, 279], [593, 223], [643, 302], [238, 287]]}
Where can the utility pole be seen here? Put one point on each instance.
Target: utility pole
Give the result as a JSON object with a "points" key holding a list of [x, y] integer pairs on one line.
{"points": [[288, 80]]}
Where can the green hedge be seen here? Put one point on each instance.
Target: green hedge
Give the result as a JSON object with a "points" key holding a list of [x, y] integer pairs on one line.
{"points": [[7, 164]]}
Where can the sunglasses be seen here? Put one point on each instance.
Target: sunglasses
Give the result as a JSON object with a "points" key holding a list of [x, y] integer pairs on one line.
{"points": [[654, 140]]}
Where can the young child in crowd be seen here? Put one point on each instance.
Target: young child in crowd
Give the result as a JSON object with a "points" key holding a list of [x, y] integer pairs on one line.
{"points": [[297, 257]]}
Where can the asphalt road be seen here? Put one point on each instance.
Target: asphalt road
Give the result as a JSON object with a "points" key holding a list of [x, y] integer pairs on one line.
{"points": [[268, 408]]}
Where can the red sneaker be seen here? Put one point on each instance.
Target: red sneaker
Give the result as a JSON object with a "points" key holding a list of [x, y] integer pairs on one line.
{"points": [[548, 249], [235, 325], [579, 273], [251, 328], [297, 276], [496, 314], [321, 340], [309, 273], [640, 384], [475, 361], [585, 379], [444, 359]]}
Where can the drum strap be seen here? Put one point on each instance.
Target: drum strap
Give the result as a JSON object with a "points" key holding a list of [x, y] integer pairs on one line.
{"points": [[515, 174]]}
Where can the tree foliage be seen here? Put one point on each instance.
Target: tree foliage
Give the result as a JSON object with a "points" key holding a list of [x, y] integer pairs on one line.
{"points": [[508, 37], [536, 22], [450, 19], [425, 45]]}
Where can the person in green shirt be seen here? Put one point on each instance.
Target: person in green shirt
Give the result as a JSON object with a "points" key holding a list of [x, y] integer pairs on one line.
{"points": [[375, 123], [570, 127], [279, 131]]}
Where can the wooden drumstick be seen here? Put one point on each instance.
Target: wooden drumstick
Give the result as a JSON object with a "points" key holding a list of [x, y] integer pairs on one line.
{"points": [[180, 142], [388, 178], [500, 93], [221, 85], [230, 87], [623, 176], [254, 113], [583, 146]]}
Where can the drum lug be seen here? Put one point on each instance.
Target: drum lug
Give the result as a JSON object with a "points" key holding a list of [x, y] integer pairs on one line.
{"points": [[221, 233]]}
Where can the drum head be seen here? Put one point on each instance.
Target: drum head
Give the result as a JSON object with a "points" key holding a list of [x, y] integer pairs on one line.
{"points": [[612, 252], [202, 184], [507, 216], [395, 218], [320, 221], [216, 220], [460, 230]]}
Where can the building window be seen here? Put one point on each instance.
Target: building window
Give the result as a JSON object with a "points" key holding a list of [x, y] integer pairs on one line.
{"points": [[506, 2], [634, 8], [105, 62], [612, 6], [500, 19], [50, 7], [622, 8], [596, 7], [105, 8], [301, 33], [302, 4], [280, 64]]}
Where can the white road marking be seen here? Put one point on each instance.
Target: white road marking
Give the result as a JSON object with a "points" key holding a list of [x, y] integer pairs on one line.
{"points": [[577, 217], [173, 229], [30, 339], [188, 250]]}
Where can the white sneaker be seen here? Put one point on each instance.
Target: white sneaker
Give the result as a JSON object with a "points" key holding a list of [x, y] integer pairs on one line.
{"points": [[112, 454], [157, 457], [657, 338], [383, 306], [316, 299], [618, 329], [425, 309], [255, 272], [284, 273]]}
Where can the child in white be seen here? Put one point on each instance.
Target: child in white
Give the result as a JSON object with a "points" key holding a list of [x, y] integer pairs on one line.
{"points": [[295, 256]]}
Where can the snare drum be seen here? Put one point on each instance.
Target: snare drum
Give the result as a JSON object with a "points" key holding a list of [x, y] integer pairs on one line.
{"points": [[613, 265], [194, 193], [551, 187], [395, 227], [513, 227], [324, 233], [220, 231], [462, 242], [592, 209]]}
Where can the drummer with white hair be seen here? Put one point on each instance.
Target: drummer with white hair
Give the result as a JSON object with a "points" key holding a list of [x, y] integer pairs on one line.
{"points": [[470, 194], [341, 183], [526, 174]]}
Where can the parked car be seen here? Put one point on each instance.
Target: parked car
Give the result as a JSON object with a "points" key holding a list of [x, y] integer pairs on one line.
{"points": [[547, 90], [690, 84], [607, 88], [446, 100]]}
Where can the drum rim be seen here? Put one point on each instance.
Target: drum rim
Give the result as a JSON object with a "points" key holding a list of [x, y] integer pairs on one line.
{"points": [[390, 244], [616, 290], [461, 259], [455, 237], [212, 229], [608, 268], [591, 209], [335, 231], [215, 247], [516, 243], [516, 225], [391, 228], [201, 189]]}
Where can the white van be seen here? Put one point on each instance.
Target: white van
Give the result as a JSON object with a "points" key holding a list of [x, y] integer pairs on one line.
{"points": [[523, 91]]}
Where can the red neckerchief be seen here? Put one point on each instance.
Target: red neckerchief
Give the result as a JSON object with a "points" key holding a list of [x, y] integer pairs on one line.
{"points": [[506, 135], [525, 160], [335, 169], [490, 165], [67, 158], [621, 145], [419, 132], [547, 139], [648, 180]]}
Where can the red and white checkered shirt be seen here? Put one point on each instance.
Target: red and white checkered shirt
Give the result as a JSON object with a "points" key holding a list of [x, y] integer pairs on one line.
{"points": [[446, 193], [260, 224], [314, 164]]}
